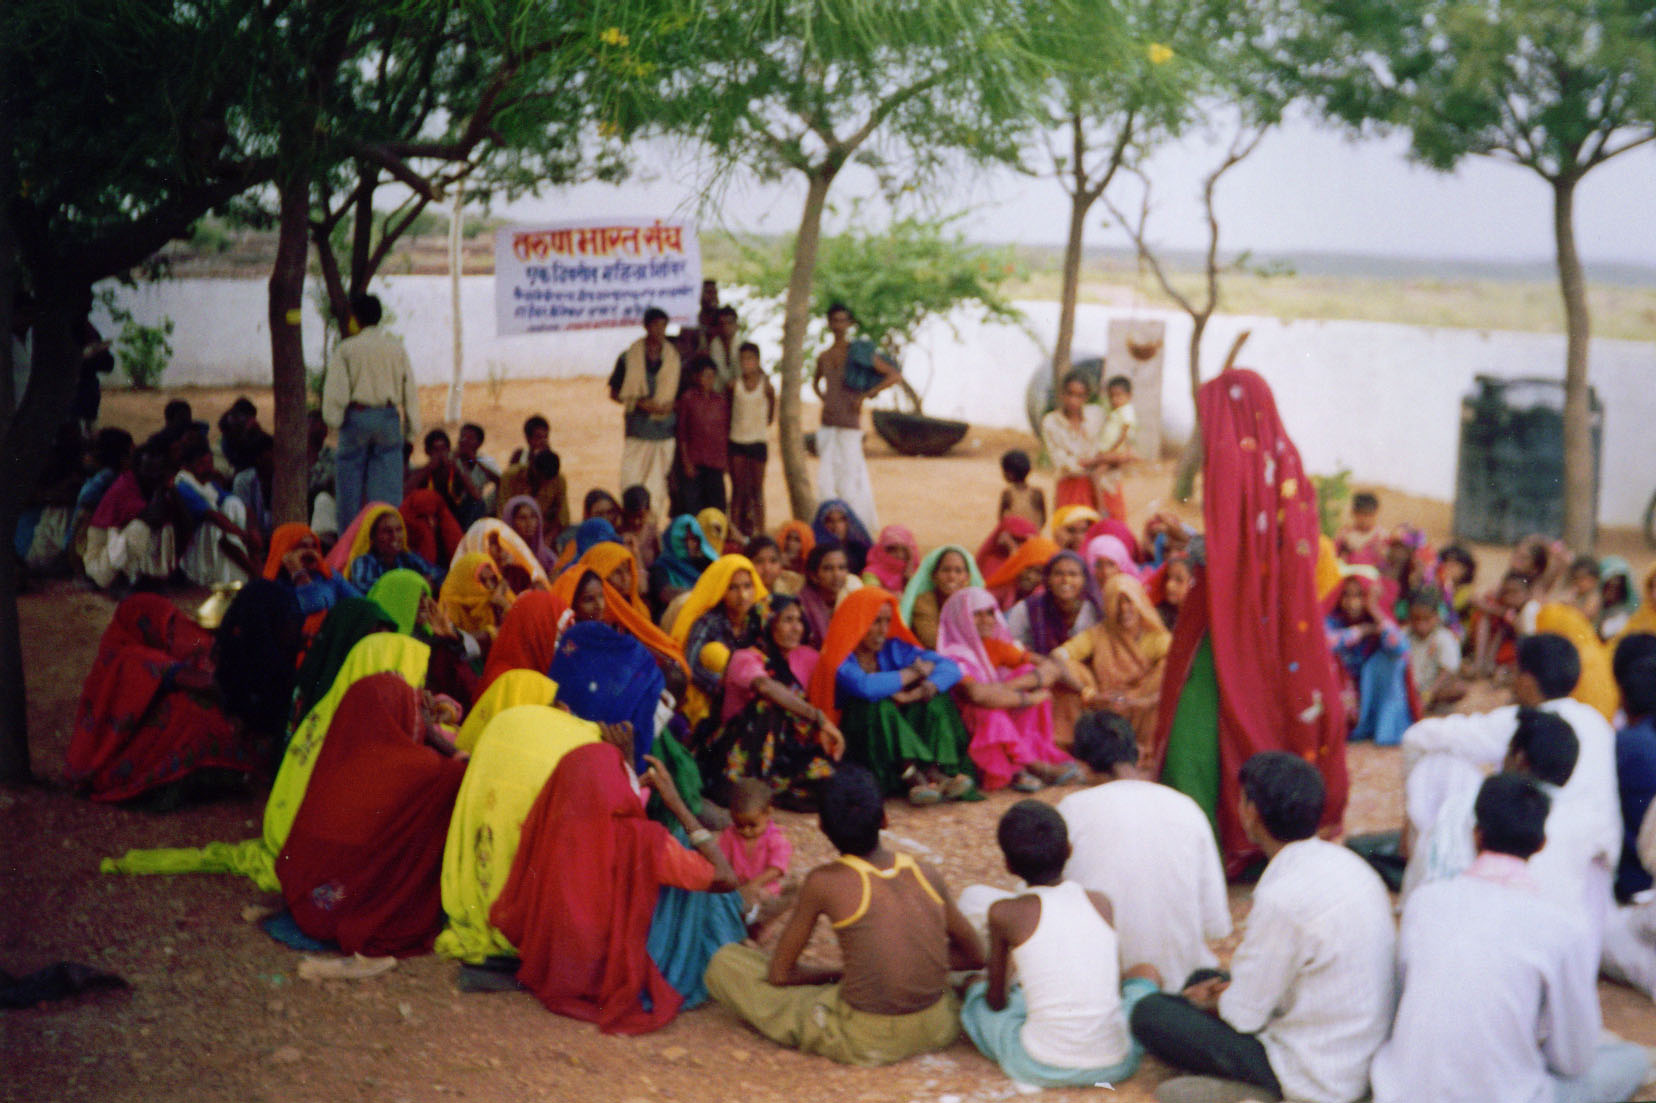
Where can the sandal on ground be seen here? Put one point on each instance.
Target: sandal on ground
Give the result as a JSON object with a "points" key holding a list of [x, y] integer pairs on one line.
{"points": [[355, 967], [957, 787], [1069, 775], [922, 795], [1025, 782]]}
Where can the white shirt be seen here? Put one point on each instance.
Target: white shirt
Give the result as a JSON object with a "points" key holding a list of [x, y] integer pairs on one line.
{"points": [[1313, 977], [1482, 738], [1071, 983], [1150, 849], [1498, 996]]}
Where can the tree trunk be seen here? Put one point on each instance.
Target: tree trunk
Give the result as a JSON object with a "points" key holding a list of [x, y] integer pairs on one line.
{"points": [[25, 441], [1062, 353], [1190, 460], [796, 316], [287, 350], [1580, 521]]}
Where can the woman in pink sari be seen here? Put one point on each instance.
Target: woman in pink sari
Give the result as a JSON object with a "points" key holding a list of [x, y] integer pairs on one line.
{"points": [[1004, 696]]}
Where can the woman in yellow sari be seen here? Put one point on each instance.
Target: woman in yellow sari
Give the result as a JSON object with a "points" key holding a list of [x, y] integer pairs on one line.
{"points": [[511, 689], [715, 526], [510, 764], [1120, 660], [473, 595], [718, 617], [1597, 685]]}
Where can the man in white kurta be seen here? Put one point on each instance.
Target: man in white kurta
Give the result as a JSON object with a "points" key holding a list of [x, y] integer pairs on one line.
{"points": [[1151, 850], [1498, 998]]}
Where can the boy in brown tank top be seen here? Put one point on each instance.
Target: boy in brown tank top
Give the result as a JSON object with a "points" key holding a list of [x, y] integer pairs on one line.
{"points": [[899, 934]]}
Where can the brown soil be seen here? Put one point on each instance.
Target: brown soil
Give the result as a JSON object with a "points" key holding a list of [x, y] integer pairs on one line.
{"points": [[216, 1011]]}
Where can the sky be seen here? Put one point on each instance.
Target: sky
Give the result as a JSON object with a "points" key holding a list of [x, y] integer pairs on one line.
{"points": [[1305, 189]]}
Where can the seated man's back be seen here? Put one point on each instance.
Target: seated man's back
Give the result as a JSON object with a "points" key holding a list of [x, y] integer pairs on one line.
{"points": [[892, 933], [1489, 970], [1150, 849]]}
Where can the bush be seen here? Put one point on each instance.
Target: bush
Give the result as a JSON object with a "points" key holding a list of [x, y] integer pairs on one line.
{"points": [[1333, 491]]}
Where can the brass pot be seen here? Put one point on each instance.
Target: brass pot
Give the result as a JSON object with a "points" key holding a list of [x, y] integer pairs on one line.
{"points": [[211, 613]]}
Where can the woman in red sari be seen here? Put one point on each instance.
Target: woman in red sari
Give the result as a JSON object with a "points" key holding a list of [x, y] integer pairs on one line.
{"points": [[584, 889], [362, 860], [1250, 668], [147, 715]]}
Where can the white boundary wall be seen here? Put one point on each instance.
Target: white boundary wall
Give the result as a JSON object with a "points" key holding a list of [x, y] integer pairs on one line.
{"points": [[1381, 399]]}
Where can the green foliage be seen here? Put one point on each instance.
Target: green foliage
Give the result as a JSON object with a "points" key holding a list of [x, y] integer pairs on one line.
{"points": [[896, 279], [142, 351], [1333, 492], [1555, 87]]}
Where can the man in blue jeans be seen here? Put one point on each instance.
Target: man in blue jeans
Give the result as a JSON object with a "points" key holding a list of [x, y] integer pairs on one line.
{"points": [[368, 397]]}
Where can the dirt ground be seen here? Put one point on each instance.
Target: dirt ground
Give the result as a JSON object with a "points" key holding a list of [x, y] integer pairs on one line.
{"points": [[216, 1011]]}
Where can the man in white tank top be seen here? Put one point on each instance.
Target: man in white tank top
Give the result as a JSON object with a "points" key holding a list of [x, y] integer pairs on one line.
{"points": [[1065, 1022]]}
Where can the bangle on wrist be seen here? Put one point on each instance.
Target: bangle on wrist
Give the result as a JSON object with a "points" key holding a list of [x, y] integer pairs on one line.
{"points": [[700, 837]]}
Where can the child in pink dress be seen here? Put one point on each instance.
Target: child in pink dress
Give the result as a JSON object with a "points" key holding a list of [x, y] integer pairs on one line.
{"points": [[756, 848]]}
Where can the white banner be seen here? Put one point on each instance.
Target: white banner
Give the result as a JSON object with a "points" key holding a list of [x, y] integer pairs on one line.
{"points": [[595, 273]]}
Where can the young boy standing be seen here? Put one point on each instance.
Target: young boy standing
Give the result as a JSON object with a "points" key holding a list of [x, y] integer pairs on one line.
{"points": [[704, 439], [1065, 1022], [1116, 445], [1019, 498], [899, 933], [752, 409]]}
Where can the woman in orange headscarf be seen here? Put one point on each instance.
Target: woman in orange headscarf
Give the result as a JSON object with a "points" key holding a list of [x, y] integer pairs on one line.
{"points": [[1018, 577], [619, 614], [796, 540], [891, 700], [295, 559], [617, 565]]}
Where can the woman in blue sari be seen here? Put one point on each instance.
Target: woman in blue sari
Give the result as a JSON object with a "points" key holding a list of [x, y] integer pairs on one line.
{"points": [[1373, 655]]}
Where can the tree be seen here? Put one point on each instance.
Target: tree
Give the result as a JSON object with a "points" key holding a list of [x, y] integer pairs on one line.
{"points": [[1558, 89], [120, 125], [420, 95], [900, 277], [805, 87], [1110, 115]]}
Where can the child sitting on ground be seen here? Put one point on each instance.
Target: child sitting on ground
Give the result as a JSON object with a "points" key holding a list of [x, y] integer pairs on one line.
{"points": [[1499, 619], [1581, 588], [756, 847], [1456, 570], [899, 934], [1019, 498], [638, 529], [1064, 1024], [1362, 541], [1434, 653]]}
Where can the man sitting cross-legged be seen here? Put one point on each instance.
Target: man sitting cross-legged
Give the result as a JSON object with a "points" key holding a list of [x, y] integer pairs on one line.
{"points": [[1498, 1000], [899, 933], [1312, 988]]}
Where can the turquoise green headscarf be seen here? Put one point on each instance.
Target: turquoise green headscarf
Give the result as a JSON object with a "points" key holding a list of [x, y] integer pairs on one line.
{"points": [[398, 592], [921, 583]]}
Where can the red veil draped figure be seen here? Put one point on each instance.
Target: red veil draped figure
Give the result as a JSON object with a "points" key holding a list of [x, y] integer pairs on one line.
{"points": [[1250, 668]]}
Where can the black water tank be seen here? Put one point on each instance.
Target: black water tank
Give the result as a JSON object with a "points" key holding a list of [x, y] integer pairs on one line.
{"points": [[1510, 479]]}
